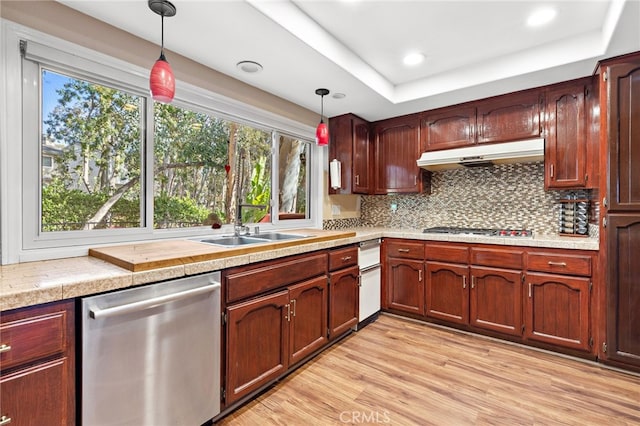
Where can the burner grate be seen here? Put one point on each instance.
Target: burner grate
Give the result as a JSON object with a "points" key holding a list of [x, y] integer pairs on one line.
{"points": [[494, 232]]}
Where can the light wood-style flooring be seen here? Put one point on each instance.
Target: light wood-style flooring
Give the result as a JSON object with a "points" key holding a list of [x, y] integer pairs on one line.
{"points": [[401, 372]]}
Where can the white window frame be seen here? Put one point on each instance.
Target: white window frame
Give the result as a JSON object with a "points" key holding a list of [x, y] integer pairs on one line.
{"points": [[16, 217]]}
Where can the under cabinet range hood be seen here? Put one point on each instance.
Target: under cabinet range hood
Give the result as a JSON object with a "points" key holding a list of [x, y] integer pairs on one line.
{"points": [[484, 155]]}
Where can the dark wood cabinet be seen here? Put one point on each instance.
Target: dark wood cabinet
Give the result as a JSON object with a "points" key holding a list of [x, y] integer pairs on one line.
{"points": [[623, 289], [445, 128], [620, 229], [276, 315], [447, 292], [496, 300], [397, 148], [405, 286], [344, 290], [571, 135], [496, 289], [511, 117], [257, 343], [468, 293], [308, 307], [558, 298], [558, 310], [351, 145], [37, 362], [345, 296], [623, 127], [403, 276]]}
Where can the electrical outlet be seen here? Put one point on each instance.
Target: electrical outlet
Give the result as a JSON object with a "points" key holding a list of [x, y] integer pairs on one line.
{"points": [[394, 207], [335, 209]]}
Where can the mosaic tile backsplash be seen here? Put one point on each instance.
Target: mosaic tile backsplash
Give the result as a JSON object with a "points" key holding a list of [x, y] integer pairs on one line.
{"points": [[507, 195]]}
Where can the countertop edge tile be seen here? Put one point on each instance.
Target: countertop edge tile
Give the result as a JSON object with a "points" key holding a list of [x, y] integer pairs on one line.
{"points": [[30, 297], [155, 275]]}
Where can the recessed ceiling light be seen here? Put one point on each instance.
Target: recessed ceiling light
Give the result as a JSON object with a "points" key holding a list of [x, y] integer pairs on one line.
{"points": [[541, 17], [413, 59], [338, 96], [250, 67]]}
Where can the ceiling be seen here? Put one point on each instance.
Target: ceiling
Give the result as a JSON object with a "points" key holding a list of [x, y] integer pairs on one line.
{"points": [[472, 49]]}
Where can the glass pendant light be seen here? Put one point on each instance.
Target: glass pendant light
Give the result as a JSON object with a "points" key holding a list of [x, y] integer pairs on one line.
{"points": [[322, 132], [162, 83]]}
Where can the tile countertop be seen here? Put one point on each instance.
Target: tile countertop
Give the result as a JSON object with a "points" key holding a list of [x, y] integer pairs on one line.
{"points": [[34, 283]]}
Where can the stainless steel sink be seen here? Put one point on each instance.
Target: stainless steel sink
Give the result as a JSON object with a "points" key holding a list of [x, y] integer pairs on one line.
{"points": [[262, 238], [234, 241], [277, 236]]}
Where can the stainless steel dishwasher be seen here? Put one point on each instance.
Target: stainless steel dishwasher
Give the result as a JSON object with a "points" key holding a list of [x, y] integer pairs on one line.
{"points": [[151, 355]]}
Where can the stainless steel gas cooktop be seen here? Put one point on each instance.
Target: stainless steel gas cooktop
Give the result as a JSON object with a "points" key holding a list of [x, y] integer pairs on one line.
{"points": [[492, 232]]}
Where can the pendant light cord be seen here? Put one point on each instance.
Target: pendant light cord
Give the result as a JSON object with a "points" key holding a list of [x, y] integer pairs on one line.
{"points": [[322, 109], [162, 37]]}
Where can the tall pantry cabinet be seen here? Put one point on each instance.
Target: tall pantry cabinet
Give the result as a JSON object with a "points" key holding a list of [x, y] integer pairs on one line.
{"points": [[620, 239]]}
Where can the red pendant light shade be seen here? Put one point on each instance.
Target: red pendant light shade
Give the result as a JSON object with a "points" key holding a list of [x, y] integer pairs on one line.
{"points": [[322, 132], [162, 83]]}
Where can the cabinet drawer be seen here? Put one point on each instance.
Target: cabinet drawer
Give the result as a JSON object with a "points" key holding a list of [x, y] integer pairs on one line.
{"points": [[499, 258], [405, 250], [247, 282], [446, 253], [341, 258], [572, 264], [30, 339]]}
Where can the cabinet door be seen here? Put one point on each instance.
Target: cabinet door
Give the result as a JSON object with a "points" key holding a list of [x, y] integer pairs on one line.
{"points": [[257, 343], [448, 128], [405, 286], [496, 300], [510, 117], [341, 149], [397, 148], [362, 158], [623, 137], [447, 296], [557, 310], [623, 288], [308, 325], [351, 145], [566, 137], [37, 395], [344, 299]]}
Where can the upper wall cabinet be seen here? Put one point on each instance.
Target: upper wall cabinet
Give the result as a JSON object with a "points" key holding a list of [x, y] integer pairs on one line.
{"points": [[397, 147], [510, 117], [351, 145], [451, 127], [571, 135], [515, 116]]}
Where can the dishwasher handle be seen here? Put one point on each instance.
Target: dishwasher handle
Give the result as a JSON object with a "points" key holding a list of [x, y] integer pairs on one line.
{"points": [[97, 313], [369, 244]]}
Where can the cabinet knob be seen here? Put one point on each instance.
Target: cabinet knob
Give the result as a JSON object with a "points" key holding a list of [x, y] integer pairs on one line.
{"points": [[562, 264], [4, 348], [464, 281], [403, 250], [4, 420], [346, 258], [419, 275]]}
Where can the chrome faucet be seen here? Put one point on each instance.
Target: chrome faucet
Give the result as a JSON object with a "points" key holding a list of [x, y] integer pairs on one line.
{"points": [[238, 227]]}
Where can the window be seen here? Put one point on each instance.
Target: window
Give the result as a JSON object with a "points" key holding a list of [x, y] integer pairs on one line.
{"points": [[116, 166], [97, 132]]}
